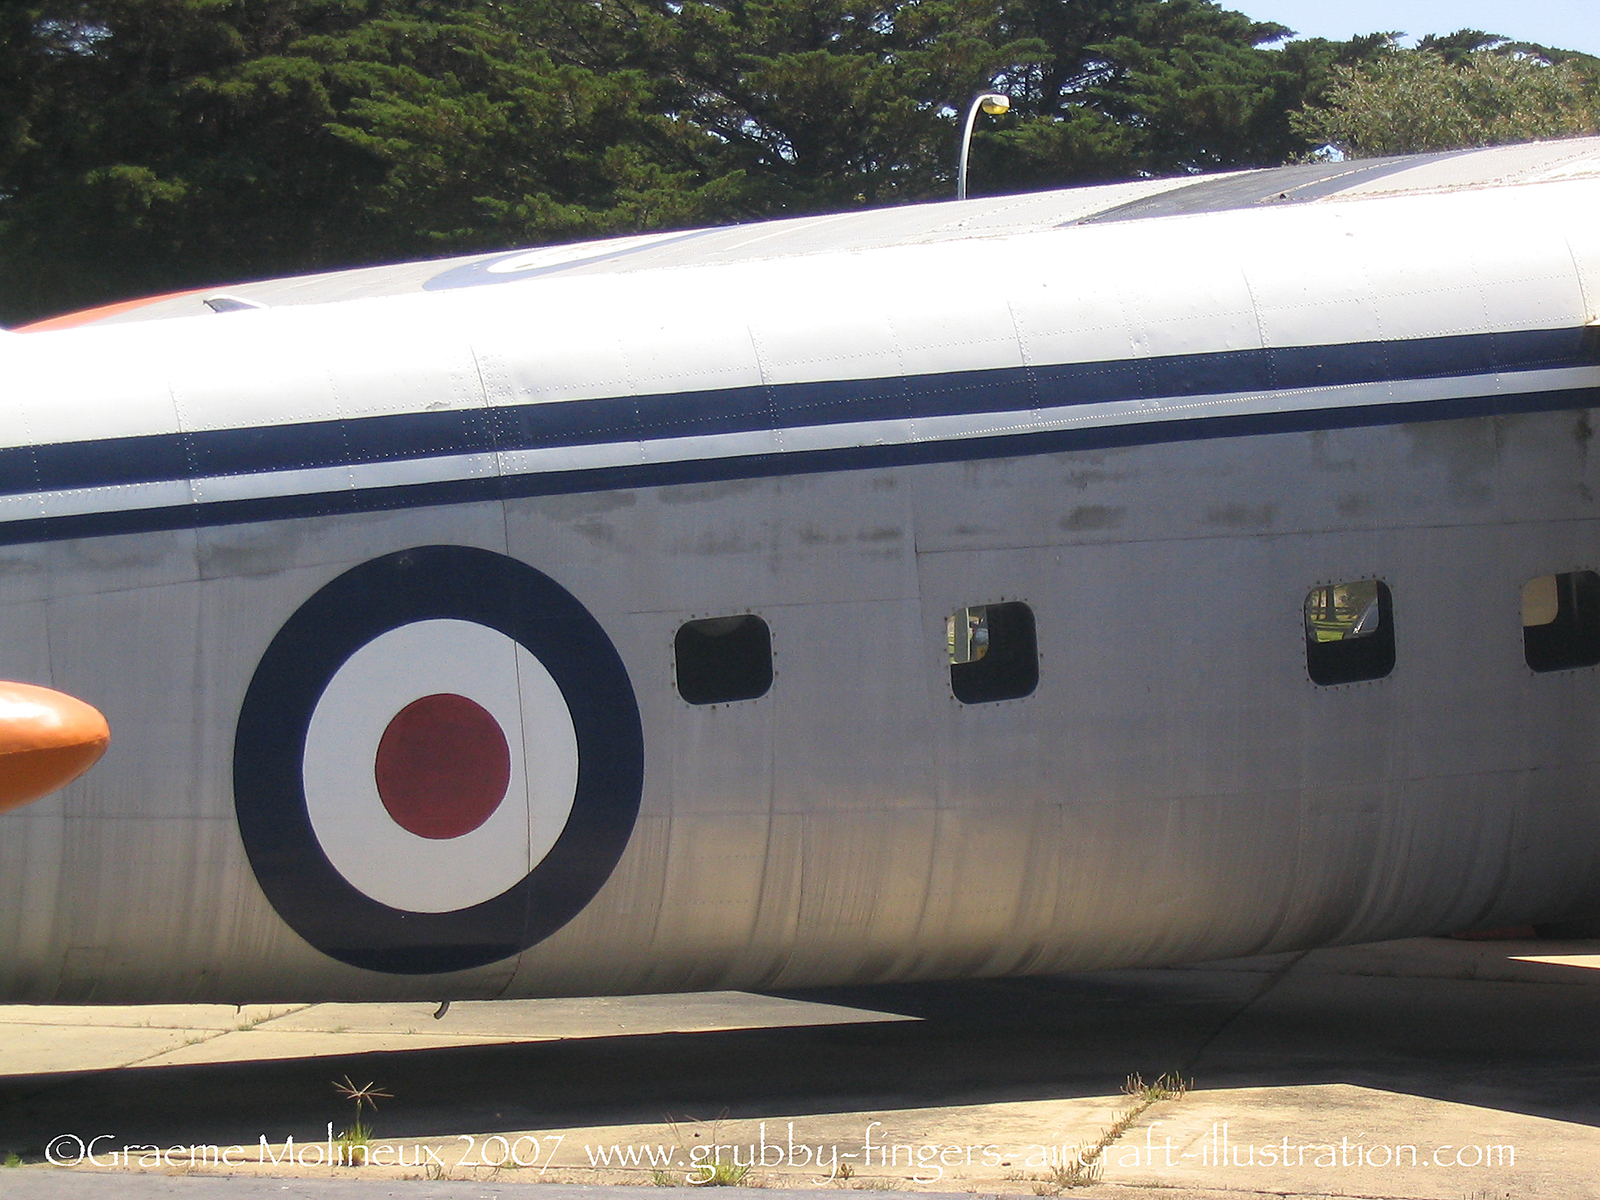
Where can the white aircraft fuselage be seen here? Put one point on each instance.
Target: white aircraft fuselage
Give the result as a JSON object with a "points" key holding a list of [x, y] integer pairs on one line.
{"points": [[1141, 575]]}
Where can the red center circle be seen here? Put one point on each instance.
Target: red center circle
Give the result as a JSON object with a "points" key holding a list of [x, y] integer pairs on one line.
{"points": [[442, 766]]}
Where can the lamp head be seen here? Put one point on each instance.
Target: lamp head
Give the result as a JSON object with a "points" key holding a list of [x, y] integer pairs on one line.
{"points": [[994, 104]]}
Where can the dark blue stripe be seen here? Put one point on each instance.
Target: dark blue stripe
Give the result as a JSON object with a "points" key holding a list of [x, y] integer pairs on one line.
{"points": [[855, 458], [70, 465]]}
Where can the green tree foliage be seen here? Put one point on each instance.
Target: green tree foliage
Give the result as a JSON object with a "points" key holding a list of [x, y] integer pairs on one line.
{"points": [[1136, 89], [148, 145], [160, 143], [823, 104], [1467, 89]]}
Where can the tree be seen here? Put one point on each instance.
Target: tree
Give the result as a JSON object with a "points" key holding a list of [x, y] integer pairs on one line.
{"points": [[1152, 87], [829, 103], [148, 145], [157, 144], [1470, 89], [825, 104]]}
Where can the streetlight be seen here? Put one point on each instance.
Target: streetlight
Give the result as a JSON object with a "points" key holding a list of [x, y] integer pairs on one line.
{"points": [[992, 103]]}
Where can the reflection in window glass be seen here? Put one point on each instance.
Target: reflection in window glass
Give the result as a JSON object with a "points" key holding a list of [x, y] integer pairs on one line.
{"points": [[1561, 621], [994, 654], [967, 633], [1349, 632], [723, 659]]}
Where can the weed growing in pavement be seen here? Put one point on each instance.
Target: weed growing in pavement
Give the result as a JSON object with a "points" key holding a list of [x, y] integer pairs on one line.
{"points": [[701, 1172], [718, 1174], [1083, 1169], [355, 1143], [1168, 1087], [1086, 1163]]}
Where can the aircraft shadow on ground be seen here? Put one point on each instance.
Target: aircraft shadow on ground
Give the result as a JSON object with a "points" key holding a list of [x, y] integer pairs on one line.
{"points": [[1517, 1047]]}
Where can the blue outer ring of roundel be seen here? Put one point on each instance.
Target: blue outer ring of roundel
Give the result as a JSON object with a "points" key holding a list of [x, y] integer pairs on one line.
{"points": [[420, 584]]}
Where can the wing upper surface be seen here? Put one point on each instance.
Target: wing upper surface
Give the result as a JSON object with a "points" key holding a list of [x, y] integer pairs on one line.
{"points": [[920, 224]]}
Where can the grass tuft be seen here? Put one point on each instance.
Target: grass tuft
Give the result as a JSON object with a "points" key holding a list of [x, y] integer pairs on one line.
{"points": [[718, 1174], [1088, 1162], [1168, 1087], [354, 1145]]}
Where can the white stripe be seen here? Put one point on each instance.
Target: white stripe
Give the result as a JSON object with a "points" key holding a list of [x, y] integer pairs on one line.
{"points": [[896, 431], [120, 497]]}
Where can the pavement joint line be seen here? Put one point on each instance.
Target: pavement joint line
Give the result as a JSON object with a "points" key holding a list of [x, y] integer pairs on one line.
{"points": [[1203, 1023], [196, 1041], [288, 1012], [1123, 1123], [200, 1041], [1272, 980]]}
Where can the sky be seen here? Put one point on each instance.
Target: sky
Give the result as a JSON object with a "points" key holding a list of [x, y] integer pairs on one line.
{"points": [[1569, 24]]}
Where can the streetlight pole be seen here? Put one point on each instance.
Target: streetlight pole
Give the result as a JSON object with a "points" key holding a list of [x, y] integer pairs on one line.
{"points": [[992, 103]]}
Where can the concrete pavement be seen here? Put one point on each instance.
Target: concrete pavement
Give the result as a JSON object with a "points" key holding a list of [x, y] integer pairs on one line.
{"points": [[1420, 1069]]}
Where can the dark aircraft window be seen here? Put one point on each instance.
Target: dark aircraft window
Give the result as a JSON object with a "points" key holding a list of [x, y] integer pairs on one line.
{"points": [[1561, 621], [993, 653], [1349, 632], [723, 659]]}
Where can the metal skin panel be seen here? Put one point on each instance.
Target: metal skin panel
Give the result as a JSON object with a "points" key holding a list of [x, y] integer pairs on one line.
{"points": [[1159, 434], [1133, 809]]}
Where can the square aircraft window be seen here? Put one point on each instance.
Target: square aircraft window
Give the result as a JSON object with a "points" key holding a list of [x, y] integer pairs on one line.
{"points": [[1561, 621], [993, 653], [723, 659], [1349, 632]]}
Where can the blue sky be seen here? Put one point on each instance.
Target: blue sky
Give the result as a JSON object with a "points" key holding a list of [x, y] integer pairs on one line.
{"points": [[1573, 24]]}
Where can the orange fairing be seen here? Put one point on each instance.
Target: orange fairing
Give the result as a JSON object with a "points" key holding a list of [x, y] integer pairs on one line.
{"points": [[88, 316], [47, 739]]}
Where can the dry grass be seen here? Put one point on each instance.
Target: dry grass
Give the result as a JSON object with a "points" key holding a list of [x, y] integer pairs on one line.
{"points": [[1086, 1163]]}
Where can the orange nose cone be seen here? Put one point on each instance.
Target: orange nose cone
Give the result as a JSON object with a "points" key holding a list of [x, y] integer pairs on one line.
{"points": [[47, 739]]}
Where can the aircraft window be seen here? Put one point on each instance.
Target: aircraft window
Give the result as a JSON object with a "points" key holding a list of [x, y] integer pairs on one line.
{"points": [[993, 653], [723, 659], [1561, 621], [1349, 632]]}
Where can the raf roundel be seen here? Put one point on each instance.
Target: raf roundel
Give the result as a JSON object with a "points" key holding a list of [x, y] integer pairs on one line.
{"points": [[438, 762]]}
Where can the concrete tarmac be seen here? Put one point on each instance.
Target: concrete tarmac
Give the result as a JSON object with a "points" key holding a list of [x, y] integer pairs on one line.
{"points": [[1421, 1069]]}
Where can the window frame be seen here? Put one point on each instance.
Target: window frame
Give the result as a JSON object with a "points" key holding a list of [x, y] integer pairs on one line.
{"points": [[1349, 660], [702, 673], [1567, 626], [998, 675]]}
